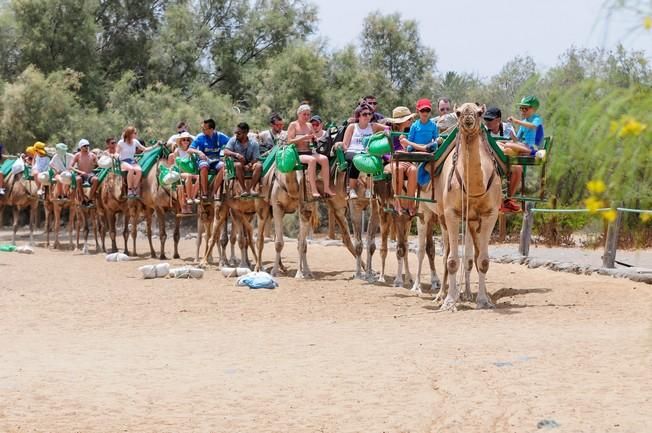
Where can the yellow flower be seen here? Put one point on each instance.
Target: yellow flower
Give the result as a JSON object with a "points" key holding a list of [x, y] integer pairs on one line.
{"points": [[647, 22], [646, 216], [596, 186], [593, 204], [632, 127], [609, 215]]}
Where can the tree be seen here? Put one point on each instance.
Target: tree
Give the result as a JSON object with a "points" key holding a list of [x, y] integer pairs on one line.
{"points": [[392, 48]]}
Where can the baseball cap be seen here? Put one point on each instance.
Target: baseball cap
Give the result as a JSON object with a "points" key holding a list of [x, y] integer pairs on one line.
{"points": [[529, 101], [492, 113], [423, 103], [315, 118]]}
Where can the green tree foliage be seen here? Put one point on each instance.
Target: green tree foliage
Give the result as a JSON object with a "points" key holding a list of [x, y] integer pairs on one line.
{"points": [[395, 57]]}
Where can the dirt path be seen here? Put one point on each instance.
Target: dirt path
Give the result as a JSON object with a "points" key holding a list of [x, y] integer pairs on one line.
{"points": [[87, 346]]}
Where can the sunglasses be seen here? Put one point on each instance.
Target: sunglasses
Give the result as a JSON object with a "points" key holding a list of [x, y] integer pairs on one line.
{"points": [[372, 103], [425, 110], [185, 139], [366, 113], [444, 110], [112, 142], [523, 108]]}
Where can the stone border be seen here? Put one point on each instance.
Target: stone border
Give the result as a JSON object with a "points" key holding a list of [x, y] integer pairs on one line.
{"points": [[641, 275]]}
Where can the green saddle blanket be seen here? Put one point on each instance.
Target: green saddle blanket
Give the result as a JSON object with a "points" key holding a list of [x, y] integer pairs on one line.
{"points": [[149, 158], [5, 167]]}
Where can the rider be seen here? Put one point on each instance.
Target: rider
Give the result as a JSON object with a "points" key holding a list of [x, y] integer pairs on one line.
{"points": [[401, 121], [184, 158], [61, 163], [126, 149], [210, 142], [352, 143], [245, 152], [83, 163], [423, 133], [300, 133], [41, 165], [268, 138]]}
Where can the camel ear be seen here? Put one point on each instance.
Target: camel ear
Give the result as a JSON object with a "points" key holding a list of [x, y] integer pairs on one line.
{"points": [[483, 108]]}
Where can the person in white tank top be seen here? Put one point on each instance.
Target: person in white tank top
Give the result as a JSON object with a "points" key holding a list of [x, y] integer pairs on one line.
{"points": [[352, 143], [127, 147]]}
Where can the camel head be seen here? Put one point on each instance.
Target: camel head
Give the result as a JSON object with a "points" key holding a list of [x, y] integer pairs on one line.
{"points": [[469, 117]]}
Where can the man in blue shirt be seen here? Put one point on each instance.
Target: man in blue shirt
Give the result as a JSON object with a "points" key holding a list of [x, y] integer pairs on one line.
{"points": [[210, 142], [246, 155]]}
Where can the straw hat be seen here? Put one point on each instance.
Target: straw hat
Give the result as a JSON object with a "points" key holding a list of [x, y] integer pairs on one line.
{"points": [[39, 148], [185, 134], [400, 115]]}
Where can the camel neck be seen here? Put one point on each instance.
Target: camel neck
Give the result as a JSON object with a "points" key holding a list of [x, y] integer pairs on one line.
{"points": [[470, 160]]}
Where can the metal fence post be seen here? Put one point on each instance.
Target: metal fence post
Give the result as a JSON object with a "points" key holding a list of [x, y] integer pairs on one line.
{"points": [[526, 230], [611, 244]]}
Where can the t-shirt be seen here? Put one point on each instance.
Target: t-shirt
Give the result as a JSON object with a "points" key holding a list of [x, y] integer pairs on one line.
{"points": [[60, 164], [41, 163], [506, 130], [127, 151], [423, 133], [251, 152], [531, 137], [267, 139], [211, 146]]}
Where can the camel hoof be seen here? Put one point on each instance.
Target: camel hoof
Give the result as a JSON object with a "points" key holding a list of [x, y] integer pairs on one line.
{"points": [[176, 256], [381, 279], [435, 285], [358, 276], [398, 282], [371, 277], [301, 276], [416, 288], [467, 297], [484, 304], [448, 305], [203, 264], [161, 257]]}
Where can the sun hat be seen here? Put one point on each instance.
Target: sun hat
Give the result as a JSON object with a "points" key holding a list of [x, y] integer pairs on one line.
{"points": [[39, 148], [185, 134], [529, 101], [400, 115], [83, 142], [61, 147], [424, 103], [29, 150], [492, 113]]}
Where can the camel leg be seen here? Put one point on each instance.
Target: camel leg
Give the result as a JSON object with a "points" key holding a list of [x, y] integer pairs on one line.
{"points": [[236, 233], [277, 214], [468, 265], [248, 238], [356, 220], [200, 234], [425, 238], [401, 248], [15, 213], [408, 274], [134, 213], [372, 227], [111, 219], [224, 238], [219, 221], [33, 215], [176, 237], [453, 261], [439, 298], [481, 243], [71, 225], [57, 224], [385, 225], [303, 271], [263, 217], [162, 233], [125, 230], [48, 217], [435, 284], [340, 219]]}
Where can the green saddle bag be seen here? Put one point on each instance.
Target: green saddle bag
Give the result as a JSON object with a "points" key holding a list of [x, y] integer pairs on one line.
{"points": [[287, 159], [368, 164], [378, 144]]}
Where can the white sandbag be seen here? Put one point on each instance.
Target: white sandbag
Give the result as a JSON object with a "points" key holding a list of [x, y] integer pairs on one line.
{"points": [[155, 271], [116, 257], [25, 249], [18, 166], [171, 178], [186, 272], [234, 272], [105, 161], [540, 155], [65, 177], [44, 178], [257, 280]]}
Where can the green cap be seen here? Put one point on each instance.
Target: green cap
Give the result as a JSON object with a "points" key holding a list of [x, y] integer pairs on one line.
{"points": [[529, 101]]}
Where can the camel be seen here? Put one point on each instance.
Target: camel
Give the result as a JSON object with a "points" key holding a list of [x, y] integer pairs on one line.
{"points": [[468, 190], [20, 194], [112, 201]]}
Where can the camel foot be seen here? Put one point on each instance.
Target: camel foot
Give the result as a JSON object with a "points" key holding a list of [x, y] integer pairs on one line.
{"points": [[398, 282], [176, 256], [484, 304], [435, 284], [467, 296], [416, 288], [85, 250], [303, 276], [439, 298], [161, 257], [381, 278], [448, 305], [358, 276], [371, 277], [203, 264]]}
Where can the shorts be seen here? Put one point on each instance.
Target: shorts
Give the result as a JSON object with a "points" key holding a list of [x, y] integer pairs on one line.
{"points": [[211, 164], [87, 178], [354, 173], [129, 161]]}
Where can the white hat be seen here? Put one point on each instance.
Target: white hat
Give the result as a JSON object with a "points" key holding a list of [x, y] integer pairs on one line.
{"points": [[83, 142], [185, 134]]}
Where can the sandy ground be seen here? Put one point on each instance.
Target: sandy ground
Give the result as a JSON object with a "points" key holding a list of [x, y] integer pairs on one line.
{"points": [[88, 346]]}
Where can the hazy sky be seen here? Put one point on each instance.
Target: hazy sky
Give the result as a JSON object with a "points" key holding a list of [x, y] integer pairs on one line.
{"points": [[481, 36]]}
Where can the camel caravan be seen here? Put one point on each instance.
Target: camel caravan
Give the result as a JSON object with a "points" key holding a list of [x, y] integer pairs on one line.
{"points": [[446, 171]]}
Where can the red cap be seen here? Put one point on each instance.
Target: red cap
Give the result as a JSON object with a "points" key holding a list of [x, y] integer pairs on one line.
{"points": [[423, 103]]}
